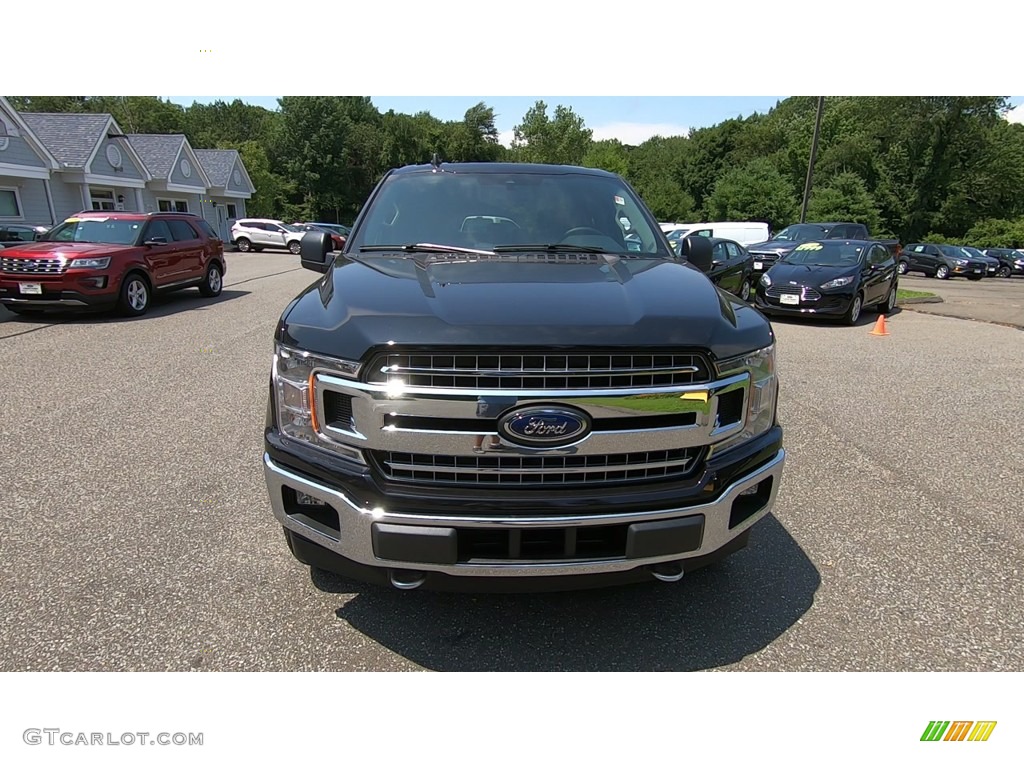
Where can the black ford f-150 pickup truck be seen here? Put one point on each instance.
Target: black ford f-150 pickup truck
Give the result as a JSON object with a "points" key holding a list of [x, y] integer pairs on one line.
{"points": [[495, 387]]}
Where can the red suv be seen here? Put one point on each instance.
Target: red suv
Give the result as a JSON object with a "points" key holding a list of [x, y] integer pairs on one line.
{"points": [[106, 260]]}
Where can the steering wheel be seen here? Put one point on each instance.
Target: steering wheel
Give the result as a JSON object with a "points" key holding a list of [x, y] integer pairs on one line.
{"points": [[583, 231]]}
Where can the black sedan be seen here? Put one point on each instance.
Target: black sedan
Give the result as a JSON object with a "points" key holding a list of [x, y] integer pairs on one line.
{"points": [[833, 278], [732, 267]]}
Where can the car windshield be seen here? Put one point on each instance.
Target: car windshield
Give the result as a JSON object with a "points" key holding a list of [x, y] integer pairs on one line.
{"points": [[96, 230], [826, 254], [509, 211], [799, 233], [677, 234], [952, 251], [291, 228], [973, 252], [335, 228]]}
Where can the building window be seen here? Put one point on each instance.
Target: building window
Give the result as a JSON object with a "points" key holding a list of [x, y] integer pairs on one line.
{"points": [[4, 136], [172, 206], [102, 199], [232, 211], [10, 203]]}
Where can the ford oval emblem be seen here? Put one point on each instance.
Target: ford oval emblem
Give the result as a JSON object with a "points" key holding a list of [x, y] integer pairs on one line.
{"points": [[544, 427]]}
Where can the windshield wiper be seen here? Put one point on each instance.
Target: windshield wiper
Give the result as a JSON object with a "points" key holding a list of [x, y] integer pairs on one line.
{"points": [[549, 248], [423, 248]]}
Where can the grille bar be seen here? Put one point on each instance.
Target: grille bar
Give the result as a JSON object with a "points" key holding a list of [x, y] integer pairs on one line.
{"points": [[33, 266], [497, 469], [808, 294], [542, 370]]}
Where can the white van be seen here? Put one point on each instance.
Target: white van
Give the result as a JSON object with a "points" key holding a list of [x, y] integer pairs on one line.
{"points": [[743, 232]]}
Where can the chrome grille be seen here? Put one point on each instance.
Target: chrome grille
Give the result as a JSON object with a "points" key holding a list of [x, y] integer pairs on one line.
{"points": [[541, 370], [495, 469], [32, 266], [808, 294]]}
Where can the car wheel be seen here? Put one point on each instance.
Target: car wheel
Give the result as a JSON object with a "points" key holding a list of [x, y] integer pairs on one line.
{"points": [[213, 284], [294, 246], [889, 304], [135, 295], [942, 272], [1004, 271], [243, 244], [902, 268], [853, 313], [745, 290]]}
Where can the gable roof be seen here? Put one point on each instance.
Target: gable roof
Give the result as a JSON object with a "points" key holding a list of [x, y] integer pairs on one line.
{"points": [[71, 138], [74, 138], [160, 152], [218, 164], [30, 137]]}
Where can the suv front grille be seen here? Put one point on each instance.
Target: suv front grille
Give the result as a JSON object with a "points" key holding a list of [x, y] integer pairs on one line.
{"points": [[541, 370], [15, 266], [495, 469]]}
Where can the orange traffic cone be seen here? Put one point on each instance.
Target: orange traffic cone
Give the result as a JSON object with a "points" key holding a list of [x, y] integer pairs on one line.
{"points": [[879, 329]]}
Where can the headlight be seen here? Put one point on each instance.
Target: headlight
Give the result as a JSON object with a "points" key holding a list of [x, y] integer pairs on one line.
{"points": [[100, 263], [294, 376], [960, 262], [765, 280], [761, 396], [839, 282]]}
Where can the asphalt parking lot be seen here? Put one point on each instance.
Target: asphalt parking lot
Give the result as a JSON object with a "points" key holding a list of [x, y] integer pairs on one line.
{"points": [[137, 534], [992, 300]]}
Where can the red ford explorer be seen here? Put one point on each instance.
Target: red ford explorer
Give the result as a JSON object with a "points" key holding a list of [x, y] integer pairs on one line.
{"points": [[105, 260]]}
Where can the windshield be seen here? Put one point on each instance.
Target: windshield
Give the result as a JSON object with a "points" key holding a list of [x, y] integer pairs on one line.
{"points": [[291, 228], [508, 211], [826, 254], [96, 230], [337, 229], [798, 233], [973, 252], [677, 234], [952, 251]]}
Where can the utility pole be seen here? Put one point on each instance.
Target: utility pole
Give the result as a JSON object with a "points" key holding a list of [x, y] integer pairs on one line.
{"points": [[810, 164]]}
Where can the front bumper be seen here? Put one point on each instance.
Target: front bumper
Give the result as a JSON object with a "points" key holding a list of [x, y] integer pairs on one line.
{"points": [[440, 544], [828, 304], [74, 290]]}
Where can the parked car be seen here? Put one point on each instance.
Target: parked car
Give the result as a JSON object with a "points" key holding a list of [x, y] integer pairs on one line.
{"points": [[767, 253], [732, 267], [257, 234], [742, 232], [941, 261], [105, 259], [337, 232], [835, 278], [519, 402], [14, 234], [1011, 262], [992, 262]]}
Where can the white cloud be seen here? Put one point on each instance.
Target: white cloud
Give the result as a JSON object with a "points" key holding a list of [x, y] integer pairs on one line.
{"points": [[505, 138], [1016, 115], [638, 133]]}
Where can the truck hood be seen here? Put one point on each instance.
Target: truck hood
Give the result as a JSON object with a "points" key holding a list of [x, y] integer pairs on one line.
{"points": [[773, 246], [44, 249], [515, 302]]}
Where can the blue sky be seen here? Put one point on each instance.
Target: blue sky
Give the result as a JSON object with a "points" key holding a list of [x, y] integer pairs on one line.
{"points": [[630, 119]]}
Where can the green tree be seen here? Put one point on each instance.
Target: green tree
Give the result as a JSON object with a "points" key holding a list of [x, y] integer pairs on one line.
{"points": [[563, 139], [844, 198], [609, 155], [754, 192]]}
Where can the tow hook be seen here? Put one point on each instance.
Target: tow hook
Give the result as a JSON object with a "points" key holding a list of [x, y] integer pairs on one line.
{"points": [[667, 571], [406, 579]]}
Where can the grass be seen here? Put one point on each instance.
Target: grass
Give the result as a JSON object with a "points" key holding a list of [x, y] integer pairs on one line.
{"points": [[905, 294]]}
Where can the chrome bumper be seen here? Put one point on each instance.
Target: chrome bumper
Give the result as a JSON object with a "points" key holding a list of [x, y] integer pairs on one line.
{"points": [[354, 541]]}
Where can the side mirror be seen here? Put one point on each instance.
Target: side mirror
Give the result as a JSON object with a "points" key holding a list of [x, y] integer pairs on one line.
{"points": [[314, 249], [697, 250], [156, 241]]}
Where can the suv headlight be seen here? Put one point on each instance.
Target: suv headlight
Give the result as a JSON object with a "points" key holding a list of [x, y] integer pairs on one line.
{"points": [[761, 397], [839, 282], [765, 280], [960, 262], [294, 376], [100, 263]]}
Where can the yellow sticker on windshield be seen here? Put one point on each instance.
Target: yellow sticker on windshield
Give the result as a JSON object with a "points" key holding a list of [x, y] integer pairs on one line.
{"points": [[71, 221], [809, 247]]}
